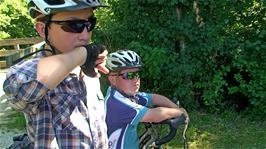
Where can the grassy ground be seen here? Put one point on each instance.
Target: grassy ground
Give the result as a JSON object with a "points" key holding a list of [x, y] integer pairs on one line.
{"points": [[210, 131], [226, 131]]}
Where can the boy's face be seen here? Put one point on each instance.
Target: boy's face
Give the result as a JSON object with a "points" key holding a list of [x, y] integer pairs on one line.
{"points": [[128, 86], [66, 41]]}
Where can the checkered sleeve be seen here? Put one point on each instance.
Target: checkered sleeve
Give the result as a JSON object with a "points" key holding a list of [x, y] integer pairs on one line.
{"points": [[22, 88]]}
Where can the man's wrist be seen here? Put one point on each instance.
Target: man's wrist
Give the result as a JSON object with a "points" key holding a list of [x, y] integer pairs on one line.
{"points": [[78, 55], [83, 55]]}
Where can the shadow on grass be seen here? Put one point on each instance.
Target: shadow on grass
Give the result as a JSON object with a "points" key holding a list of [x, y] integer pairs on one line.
{"points": [[224, 131], [9, 118]]}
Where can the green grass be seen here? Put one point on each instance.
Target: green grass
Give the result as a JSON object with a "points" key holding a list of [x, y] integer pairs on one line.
{"points": [[14, 120], [209, 131], [225, 131]]}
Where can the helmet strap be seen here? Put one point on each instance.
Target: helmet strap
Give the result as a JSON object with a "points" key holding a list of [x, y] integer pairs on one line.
{"points": [[47, 24]]}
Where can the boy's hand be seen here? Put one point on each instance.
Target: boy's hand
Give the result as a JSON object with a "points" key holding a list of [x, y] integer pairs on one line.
{"points": [[185, 114]]}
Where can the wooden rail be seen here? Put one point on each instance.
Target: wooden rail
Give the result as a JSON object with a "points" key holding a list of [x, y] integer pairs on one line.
{"points": [[7, 56], [20, 41]]}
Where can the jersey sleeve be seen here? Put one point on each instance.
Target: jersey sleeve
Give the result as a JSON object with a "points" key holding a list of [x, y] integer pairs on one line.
{"points": [[121, 111], [145, 99]]}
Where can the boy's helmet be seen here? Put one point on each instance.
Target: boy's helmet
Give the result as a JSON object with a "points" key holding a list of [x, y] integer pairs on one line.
{"points": [[123, 59], [47, 7]]}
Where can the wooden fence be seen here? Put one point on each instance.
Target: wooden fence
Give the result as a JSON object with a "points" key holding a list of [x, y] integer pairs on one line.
{"points": [[14, 51]]}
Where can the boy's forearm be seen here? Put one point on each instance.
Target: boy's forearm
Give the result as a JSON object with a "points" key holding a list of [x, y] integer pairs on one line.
{"points": [[163, 101]]}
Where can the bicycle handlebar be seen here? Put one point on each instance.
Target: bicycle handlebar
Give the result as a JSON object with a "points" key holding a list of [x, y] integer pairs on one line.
{"points": [[173, 124]]}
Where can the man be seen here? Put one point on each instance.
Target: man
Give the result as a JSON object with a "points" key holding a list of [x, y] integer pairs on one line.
{"points": [[126, 107], [63, 107]]}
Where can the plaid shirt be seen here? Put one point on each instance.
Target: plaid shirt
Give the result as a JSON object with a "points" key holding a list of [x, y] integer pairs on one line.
{"points": [[65, 117]]}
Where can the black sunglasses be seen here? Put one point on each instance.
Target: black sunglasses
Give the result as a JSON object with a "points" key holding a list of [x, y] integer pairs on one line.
{"points": [[130, 75], [77, 26]]}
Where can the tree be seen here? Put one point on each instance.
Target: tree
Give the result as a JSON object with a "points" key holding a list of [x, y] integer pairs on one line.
{"points": [[204, 52], [15, 21]]}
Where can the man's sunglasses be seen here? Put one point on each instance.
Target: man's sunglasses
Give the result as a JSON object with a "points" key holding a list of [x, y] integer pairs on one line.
{"points": [[129, 75], [77, 26]]}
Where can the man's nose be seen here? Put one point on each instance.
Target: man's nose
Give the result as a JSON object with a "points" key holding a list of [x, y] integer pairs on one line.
{"points": [[85, 34]]}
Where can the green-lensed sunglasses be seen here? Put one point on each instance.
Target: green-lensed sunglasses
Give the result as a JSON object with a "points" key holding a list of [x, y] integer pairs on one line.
{"points": [[129, 75]]}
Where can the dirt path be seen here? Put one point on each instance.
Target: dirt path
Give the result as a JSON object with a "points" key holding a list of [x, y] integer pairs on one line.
{"points": [[6, 119]]}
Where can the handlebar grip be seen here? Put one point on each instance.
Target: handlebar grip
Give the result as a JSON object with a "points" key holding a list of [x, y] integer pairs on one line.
{"points": [[167, 138], [173, 124]]}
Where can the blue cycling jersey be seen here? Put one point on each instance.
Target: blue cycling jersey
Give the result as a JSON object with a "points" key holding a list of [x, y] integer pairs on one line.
{"points": [[123, 114]]}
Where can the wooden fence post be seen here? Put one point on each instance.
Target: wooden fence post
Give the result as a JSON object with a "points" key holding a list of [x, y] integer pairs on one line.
{"points": [[9, 55]]}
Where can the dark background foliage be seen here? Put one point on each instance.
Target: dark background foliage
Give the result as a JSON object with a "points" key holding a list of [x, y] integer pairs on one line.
{"points": [[209, 54]]}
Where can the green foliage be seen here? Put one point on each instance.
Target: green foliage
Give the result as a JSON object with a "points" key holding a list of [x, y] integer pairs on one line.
{"points": [[206, 53], [15, 21]]}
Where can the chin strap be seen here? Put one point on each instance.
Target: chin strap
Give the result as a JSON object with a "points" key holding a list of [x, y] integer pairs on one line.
{"points": [[47, 24], [30, 54], [53, 49]]}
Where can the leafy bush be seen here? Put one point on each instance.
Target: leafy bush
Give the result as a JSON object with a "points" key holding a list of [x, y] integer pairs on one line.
{"points": [[206, 53], [15, 21]]}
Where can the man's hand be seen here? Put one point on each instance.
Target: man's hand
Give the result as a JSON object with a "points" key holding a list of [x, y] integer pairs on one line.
{"points": [[100, 63], [96, 57]]}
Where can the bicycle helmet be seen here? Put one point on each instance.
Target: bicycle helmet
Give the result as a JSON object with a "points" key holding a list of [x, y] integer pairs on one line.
{"points": [[47, 7], [123, 59]]}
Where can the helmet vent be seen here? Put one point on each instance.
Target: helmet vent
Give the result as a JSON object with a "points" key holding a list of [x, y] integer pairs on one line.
{"points": [[55, 2], [137, 60], [115, 56], [116, 63], [48, 10], [120, 53], [128, 61], [131, 56]]}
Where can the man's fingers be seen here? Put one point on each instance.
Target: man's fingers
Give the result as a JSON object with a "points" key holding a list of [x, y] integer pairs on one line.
{"points": [[102, 68], [101, 61]]}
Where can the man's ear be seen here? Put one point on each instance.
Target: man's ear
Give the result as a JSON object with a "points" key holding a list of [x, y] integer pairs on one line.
{"points": [[40, 28]]}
